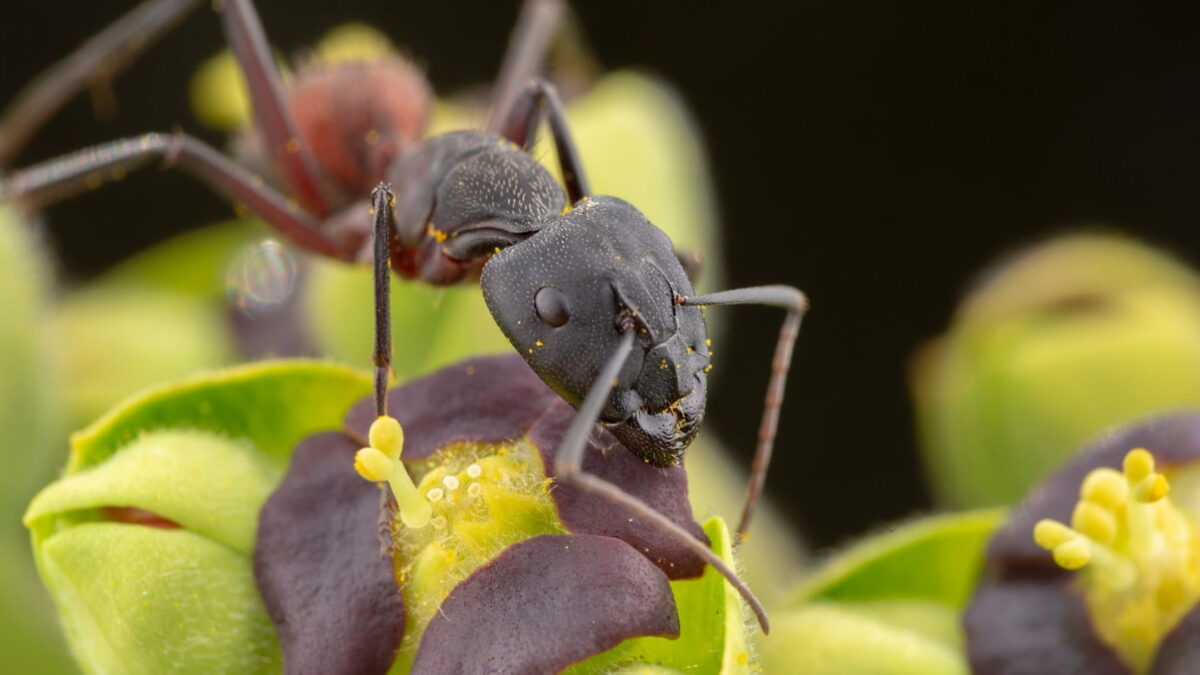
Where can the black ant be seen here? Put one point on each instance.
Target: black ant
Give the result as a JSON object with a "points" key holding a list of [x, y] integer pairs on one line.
{"points": [[589, 292]]}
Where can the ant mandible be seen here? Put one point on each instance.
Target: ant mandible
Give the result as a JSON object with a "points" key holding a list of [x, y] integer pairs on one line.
{"points": [[588, 291]]}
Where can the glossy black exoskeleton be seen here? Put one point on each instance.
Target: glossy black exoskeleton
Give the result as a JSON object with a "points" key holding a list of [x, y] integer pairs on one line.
{"points": [[590, 293]]}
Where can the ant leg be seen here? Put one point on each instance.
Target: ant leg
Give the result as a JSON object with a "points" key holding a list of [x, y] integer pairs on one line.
{"points": [[526, 54], [520, 127], [295, 162], [381, 209], [796, 304], [568, 467], [94, 62], [87, 168]]}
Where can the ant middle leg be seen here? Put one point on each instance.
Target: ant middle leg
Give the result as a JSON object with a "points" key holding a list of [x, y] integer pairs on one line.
{"points": [[796, 305], [93, 64], [56, 178], [568, 467], [521, 123]]}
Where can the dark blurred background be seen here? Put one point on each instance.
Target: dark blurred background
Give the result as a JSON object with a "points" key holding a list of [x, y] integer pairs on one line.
{"points": [[877, 155]]}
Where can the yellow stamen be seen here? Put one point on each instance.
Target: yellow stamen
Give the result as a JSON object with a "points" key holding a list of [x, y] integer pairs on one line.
{"points": [[1138, 555], [381, 462]]}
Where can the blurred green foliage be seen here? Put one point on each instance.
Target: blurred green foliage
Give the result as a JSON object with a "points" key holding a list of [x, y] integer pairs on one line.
{"points": [[888, 605], [1059, 343], [204, 454]]}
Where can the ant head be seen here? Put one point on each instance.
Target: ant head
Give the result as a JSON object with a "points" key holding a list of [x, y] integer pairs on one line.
{"points": [[564, 296]]}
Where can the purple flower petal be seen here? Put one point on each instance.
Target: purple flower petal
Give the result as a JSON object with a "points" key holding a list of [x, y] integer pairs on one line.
{"points": [[322, 568], [1026, 617], [1034, 627], [498, 398], [1179, 652], [485, 400], [1173, 440], [663, 489], [546, 603]]}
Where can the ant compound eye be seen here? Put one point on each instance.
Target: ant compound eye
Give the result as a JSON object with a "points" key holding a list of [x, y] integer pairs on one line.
{"points": [[552, 306]]}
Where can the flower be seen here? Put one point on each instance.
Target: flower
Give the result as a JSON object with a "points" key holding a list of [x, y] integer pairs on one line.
{"points": [[1116, 590], [500, 569], [219, 525]]}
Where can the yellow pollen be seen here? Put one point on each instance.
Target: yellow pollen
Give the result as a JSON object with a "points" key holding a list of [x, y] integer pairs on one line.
{"points": [[435, 495], [539, 343], [450, 482], [372, 137], [438, 235], [293, 145], [474, 470], [475, 489]]}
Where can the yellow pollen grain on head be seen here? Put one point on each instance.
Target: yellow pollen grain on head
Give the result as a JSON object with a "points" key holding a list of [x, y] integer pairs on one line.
{"points": [[1138, 464], [372, 137]]}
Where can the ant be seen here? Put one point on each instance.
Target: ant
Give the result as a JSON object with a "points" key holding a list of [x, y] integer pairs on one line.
{"points": [[588, 291]]}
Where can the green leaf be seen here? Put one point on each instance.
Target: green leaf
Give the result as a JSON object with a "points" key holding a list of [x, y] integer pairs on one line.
{"points": [[273, 404], [712, 635], [862, 639], [936, 559], [888, 605]]}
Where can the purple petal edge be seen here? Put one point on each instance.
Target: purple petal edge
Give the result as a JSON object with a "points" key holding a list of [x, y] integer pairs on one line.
{"points": [[322, 570], [546, 603], [498, 398]]}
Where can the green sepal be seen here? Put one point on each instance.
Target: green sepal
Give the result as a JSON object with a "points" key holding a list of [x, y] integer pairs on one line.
{"points": [[273, 404], [712, 627]]}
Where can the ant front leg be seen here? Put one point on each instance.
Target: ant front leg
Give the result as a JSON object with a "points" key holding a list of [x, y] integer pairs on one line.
{"points": [[382, 201], [520, 127], [796, 304], [46, 182], [93, 64], [568, 467]]}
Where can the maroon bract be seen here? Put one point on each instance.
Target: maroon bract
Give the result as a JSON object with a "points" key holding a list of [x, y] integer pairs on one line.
{"points": [[318, 560]]}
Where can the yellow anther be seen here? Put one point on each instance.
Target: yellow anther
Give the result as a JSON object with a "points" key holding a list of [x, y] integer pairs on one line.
{"points": [[450, 482], [373, 465], [474, 471], [1106, 487], [1139, 463], [1073, 554], [1095, 521], [435, 495], [1049, 534], [1152, 488], [387, 435], [387, 440]]}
